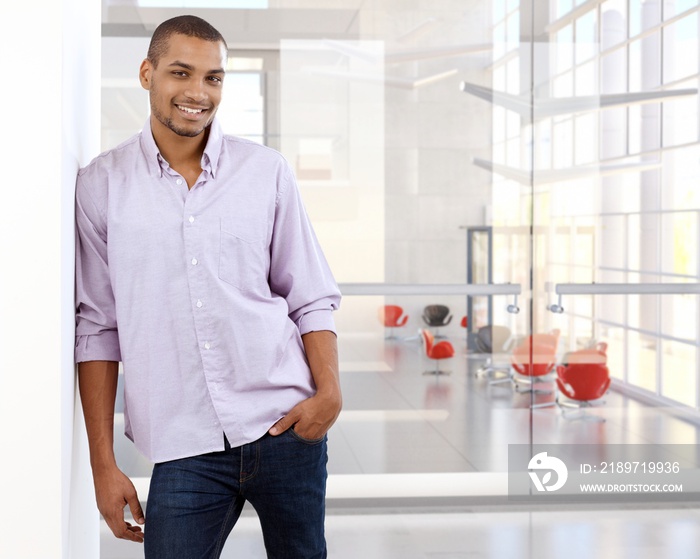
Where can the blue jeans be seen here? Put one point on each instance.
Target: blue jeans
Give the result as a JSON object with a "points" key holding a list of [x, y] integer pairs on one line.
{"points": [[194, 503]]}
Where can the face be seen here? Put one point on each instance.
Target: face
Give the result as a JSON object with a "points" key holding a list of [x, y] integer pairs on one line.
{"points": [[185, 87]]}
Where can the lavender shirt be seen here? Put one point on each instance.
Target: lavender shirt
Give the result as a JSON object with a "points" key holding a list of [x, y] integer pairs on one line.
{"points": [[203, 294]]}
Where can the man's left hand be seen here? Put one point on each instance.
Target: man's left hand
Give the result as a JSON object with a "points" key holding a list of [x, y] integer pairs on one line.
{"points": [[311, 418]]}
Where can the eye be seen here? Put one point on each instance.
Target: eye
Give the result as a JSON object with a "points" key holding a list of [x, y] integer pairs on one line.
{"points": [[215, 79], [179, 74]]}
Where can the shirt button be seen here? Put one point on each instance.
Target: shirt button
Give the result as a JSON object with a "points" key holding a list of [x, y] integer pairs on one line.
{"points": [[178, 181], [207, 345], [191, 220], [199, 303], [194, 261]]}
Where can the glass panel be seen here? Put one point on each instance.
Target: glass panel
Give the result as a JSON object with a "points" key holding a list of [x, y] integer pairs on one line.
{"points": [[563, 7], [616, 338], [610, 230], [644, 15], [586, 36], [641, 361], [407, 136], [677, 7], [679, 365], [614, 23], [681, 258], [680, 118], [564, 49], [586, 79], [245, 117], [392, 157], [681, 48]]}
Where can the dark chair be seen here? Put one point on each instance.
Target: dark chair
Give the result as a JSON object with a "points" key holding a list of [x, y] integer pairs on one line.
{"points": [[436, 316], [390, 317], [436, 351], [494, 341]]}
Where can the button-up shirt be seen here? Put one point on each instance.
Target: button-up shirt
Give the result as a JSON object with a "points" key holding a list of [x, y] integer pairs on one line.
{"points": [[203, 294]]}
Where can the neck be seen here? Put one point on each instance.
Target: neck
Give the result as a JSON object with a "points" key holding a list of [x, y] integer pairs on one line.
{"points": [[178, 150]]}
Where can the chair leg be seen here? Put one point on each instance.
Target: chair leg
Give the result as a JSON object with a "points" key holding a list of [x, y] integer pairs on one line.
{"points": [[530, 382], [437, 371], [489, 370], [543, 405], [439, 336], [579, 407]]}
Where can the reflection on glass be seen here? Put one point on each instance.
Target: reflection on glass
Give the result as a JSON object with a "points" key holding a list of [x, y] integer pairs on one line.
{"points": [[641, 361], [679, 363]]}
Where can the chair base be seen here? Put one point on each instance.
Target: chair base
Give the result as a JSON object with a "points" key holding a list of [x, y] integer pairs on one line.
{"points": [[569, 410], [530, 382], [573, 411], [437, 372], [491, 371]]}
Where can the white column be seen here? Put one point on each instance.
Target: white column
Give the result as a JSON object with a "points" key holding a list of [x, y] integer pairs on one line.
{"points": [[612, 242], [650, 180], [50, 94]]}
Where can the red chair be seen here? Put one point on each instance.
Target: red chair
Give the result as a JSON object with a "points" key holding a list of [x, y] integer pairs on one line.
{"points": [[464, 322], [436, 351], [532, 365], [532, 361], [584, 379], [536, 362], [390, 317]]}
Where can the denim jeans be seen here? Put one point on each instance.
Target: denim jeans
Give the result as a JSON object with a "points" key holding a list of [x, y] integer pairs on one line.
{"points": [[193, 503]]}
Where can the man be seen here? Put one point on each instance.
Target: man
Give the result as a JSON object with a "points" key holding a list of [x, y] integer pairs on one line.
{"points": [[197, 268]]}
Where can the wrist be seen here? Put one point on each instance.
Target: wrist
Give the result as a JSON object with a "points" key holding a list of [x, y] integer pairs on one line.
{"points": [[103, 462], [331, 394]]}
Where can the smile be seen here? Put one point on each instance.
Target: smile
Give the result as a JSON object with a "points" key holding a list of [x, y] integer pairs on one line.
{"points": [[190, 111]]}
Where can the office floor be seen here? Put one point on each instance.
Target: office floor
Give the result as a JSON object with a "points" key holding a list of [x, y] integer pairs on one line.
{"points": [[397, 420], [672, 534]]}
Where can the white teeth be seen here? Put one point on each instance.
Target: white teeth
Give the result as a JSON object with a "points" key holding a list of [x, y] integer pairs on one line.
{"points": [[190, 111]]}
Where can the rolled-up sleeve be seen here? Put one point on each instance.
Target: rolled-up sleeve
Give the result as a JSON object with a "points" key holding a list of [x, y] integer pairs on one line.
{"points": [[96, 325], [299, 271]]}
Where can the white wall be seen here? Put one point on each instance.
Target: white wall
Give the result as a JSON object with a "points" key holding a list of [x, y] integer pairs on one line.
{"points": [[50, 96]]}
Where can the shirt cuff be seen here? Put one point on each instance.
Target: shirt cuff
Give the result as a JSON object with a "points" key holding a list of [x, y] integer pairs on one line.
{"points": [[315, 321], [98, 347]]}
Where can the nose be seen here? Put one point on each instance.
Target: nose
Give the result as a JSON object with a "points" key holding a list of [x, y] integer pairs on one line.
{"points": [[196, 92]]}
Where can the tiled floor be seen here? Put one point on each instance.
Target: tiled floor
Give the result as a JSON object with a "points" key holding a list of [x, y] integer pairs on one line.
{"points": [[398, 421]]}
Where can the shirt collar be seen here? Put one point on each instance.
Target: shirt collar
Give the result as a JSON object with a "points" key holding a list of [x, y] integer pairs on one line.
{"points": [[210, 158]]}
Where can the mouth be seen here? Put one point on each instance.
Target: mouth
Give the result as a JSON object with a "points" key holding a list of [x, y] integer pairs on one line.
{"points": [[191, 112]]}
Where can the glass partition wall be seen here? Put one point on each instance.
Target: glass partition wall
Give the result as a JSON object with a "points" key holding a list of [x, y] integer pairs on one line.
{"points": [[526, 168]]}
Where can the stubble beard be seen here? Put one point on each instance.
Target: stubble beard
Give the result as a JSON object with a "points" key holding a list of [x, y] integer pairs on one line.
{"points": [[179, 130]]}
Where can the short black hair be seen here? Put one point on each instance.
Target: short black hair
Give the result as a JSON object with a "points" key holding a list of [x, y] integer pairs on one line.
{"points": [[190, 26]]}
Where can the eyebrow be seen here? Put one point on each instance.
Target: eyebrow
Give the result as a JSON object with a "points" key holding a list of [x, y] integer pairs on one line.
{"points": [[191, 68]]}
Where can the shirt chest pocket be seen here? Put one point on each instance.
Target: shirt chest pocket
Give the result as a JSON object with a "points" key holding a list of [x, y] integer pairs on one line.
{"points": [[244, 257]]}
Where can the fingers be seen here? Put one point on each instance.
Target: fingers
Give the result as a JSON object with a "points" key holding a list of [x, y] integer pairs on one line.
{"points": [[281, 426], [135, 508], [286, 422], [120, 494], [124, 530]]}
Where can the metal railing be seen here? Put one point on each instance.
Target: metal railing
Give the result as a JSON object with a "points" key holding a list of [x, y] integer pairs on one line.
{"points": [[621, 289], [474, 290]]}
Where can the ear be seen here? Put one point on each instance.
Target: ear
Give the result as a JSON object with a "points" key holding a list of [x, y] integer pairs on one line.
{"points": [[145, 72]]}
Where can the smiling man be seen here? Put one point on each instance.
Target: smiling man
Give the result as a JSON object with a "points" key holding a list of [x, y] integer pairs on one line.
{"points": [[198, 270]]}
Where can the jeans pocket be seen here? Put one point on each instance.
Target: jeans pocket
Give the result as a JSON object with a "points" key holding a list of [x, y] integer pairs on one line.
{"points": [[304, 440]]}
